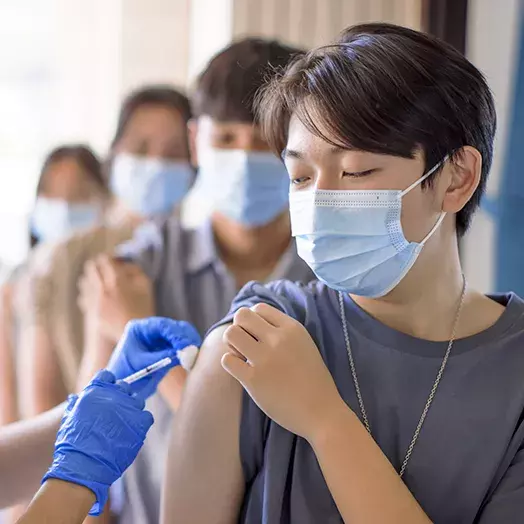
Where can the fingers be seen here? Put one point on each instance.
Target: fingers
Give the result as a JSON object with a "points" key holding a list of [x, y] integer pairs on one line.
{"points": [[270, 314], [104, 376], [107, 270], [241, 341], [237, 368], [252, 322]]}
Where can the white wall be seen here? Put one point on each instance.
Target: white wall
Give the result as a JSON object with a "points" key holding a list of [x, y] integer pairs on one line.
{"points": [[492, 45]]}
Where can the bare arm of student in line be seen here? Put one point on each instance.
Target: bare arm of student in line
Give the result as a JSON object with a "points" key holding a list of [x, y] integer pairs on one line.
{"points": [[8, 393], [204, 480], [41, 385], [26, 451]]}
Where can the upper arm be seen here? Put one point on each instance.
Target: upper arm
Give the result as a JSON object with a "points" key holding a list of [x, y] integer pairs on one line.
{"points": [[40, 381], [41, 384], [506, 505], [8, 397], [204, 481]]}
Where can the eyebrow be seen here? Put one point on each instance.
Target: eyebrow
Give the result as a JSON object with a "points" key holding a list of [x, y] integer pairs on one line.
{"points": [[335, 150]]}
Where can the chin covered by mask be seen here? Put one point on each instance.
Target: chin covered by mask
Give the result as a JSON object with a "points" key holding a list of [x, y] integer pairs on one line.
{"points": [[55, 219], [150, 186], [353, 240], [249, 187]]}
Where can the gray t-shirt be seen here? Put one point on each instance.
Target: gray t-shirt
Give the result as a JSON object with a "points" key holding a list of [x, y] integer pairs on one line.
{"points": [[468, 463], [191, 283]]}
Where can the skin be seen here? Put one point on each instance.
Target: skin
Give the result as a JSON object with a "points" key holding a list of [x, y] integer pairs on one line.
{"points": [[286, 376], [26, 450], [48, 505]]}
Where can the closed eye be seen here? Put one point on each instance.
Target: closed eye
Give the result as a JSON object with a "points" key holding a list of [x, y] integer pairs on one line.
{"points": [[357, 174], [300, 180]]}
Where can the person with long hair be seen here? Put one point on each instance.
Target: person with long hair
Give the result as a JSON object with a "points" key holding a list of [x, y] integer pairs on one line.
{"points": [[148, 173]]}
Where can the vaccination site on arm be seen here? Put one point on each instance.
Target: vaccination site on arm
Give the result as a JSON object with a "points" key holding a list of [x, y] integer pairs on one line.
{"points": [[257, 308]]}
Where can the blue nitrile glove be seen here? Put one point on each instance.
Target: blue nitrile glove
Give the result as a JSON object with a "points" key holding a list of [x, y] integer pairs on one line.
{"points": [[147, 341], [101, 434]]}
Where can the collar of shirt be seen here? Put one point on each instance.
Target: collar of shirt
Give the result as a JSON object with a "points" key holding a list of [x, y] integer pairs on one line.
{"points": [[202, 252]]}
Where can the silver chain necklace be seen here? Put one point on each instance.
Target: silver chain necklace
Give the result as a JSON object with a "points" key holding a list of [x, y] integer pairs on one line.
{"points": [[433, 389]]}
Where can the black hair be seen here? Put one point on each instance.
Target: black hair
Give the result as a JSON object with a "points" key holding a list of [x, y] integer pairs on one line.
{"points": [[389, 90], [85, 158], [151, 95], [225, 90]]}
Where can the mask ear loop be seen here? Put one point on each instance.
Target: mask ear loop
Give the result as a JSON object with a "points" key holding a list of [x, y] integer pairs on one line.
{"points": [[434, 228], [423, 177], [415, 184]]}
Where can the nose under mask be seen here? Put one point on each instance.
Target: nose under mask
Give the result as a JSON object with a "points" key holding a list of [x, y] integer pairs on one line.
{"points": [[56, 219], [150, 186], [353, 240], [251, 188]]}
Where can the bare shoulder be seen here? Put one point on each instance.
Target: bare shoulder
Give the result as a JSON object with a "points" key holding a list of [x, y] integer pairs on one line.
{"points": [[208, 370]]}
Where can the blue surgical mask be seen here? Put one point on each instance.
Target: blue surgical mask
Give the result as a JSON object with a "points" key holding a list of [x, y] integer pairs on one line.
{"points": [[150, 186], [251, 188], [55, 219], [353, 240]]}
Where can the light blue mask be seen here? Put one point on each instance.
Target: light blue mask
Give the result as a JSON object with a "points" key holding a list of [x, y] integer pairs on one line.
{"points": [[54, 219], [150, 186], [251, 188], [353, 240]]}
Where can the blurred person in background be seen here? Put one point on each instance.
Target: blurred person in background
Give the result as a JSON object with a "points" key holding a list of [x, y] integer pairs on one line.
{"points": [[70, 197], [149, 173], [194, 274]]}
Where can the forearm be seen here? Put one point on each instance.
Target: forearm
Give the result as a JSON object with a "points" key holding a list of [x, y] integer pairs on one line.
{"points": [[362, 481], [26, 451], [59, 502]]}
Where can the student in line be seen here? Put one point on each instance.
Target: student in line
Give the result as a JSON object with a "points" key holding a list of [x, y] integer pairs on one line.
{"points": [[194, 273], [70, 197], [149, 173], [389, 391]]}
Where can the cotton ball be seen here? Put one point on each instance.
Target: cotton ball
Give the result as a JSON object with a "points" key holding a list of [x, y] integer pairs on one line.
{"points": [[187, 357]]}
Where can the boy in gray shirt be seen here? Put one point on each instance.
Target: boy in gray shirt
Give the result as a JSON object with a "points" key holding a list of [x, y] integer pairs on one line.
{"points": [[388, 392]]}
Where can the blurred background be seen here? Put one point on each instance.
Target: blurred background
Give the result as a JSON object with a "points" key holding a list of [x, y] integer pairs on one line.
{"points": [[66, 64]]}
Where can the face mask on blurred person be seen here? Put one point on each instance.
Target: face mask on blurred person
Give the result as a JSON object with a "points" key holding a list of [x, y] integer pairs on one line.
{"points": [[251, 188], [150, 186], [55, 219]]}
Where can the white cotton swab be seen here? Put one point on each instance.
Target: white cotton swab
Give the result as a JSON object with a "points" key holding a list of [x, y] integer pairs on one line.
{"points": [[186, 356]]}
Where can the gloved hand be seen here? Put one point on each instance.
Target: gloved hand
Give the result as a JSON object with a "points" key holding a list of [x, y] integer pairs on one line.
{"points": [[101, 434], [147, 341]]}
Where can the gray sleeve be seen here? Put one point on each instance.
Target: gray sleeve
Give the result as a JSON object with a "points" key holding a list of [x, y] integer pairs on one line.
{"points": [[146, 248], [506, 505]]}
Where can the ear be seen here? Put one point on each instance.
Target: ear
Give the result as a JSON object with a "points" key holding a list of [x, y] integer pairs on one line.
{"points": [[192, 129], [464, 178]]}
